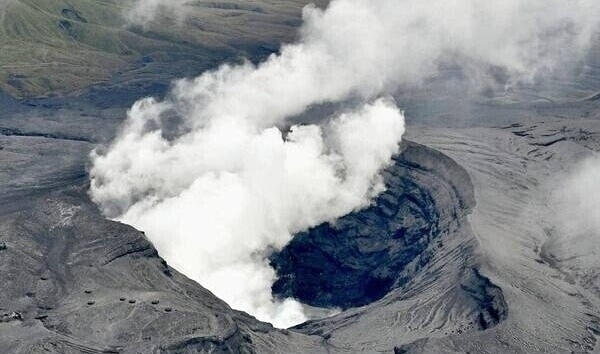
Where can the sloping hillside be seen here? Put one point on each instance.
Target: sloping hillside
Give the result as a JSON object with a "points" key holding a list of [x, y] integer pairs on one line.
{"points": [[57, 47]]}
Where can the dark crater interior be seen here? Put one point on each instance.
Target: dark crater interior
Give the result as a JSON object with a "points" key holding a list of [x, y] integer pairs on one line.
{"points": [[365, 255]]}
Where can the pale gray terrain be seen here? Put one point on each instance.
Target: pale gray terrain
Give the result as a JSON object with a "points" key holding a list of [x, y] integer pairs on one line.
{"points": [[552, 309], [461, 253], [491, 279]]}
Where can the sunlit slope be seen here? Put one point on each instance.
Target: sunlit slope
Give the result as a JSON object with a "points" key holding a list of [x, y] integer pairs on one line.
{"points": [[56, 47]]}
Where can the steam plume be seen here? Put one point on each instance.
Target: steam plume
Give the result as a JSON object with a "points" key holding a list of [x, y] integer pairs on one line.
{"points": [[142, 12], [216, 181], [579, 201]]}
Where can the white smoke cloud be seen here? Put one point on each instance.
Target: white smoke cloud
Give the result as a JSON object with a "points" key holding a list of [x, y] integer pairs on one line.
{"points": [[217, 199], [578, 202], [216, 184], [142, 12], [574, 237]]}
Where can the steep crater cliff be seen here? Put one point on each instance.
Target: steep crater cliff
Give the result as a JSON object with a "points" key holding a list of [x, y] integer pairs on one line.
{"points": [[366, 255]]}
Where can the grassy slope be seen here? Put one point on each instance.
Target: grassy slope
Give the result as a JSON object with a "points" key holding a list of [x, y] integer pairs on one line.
{"points": [[57, 47]]}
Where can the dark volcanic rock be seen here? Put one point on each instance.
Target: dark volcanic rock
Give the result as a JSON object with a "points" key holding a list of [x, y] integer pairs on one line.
{"points": [[10, 316], [362, 256], [409, 262], [493, 308]]}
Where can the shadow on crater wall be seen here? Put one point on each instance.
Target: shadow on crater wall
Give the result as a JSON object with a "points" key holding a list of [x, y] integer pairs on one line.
{"points": [[365, 255], [359, 259]]}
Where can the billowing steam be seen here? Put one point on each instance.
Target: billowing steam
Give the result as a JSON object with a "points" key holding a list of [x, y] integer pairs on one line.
{"points": [[578, 202], [216, 177], [142, 12], [216, 199]]}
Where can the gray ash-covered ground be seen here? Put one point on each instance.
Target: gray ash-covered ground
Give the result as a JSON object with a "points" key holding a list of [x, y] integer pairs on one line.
{"points": [[481, 281], [457, 256]]}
